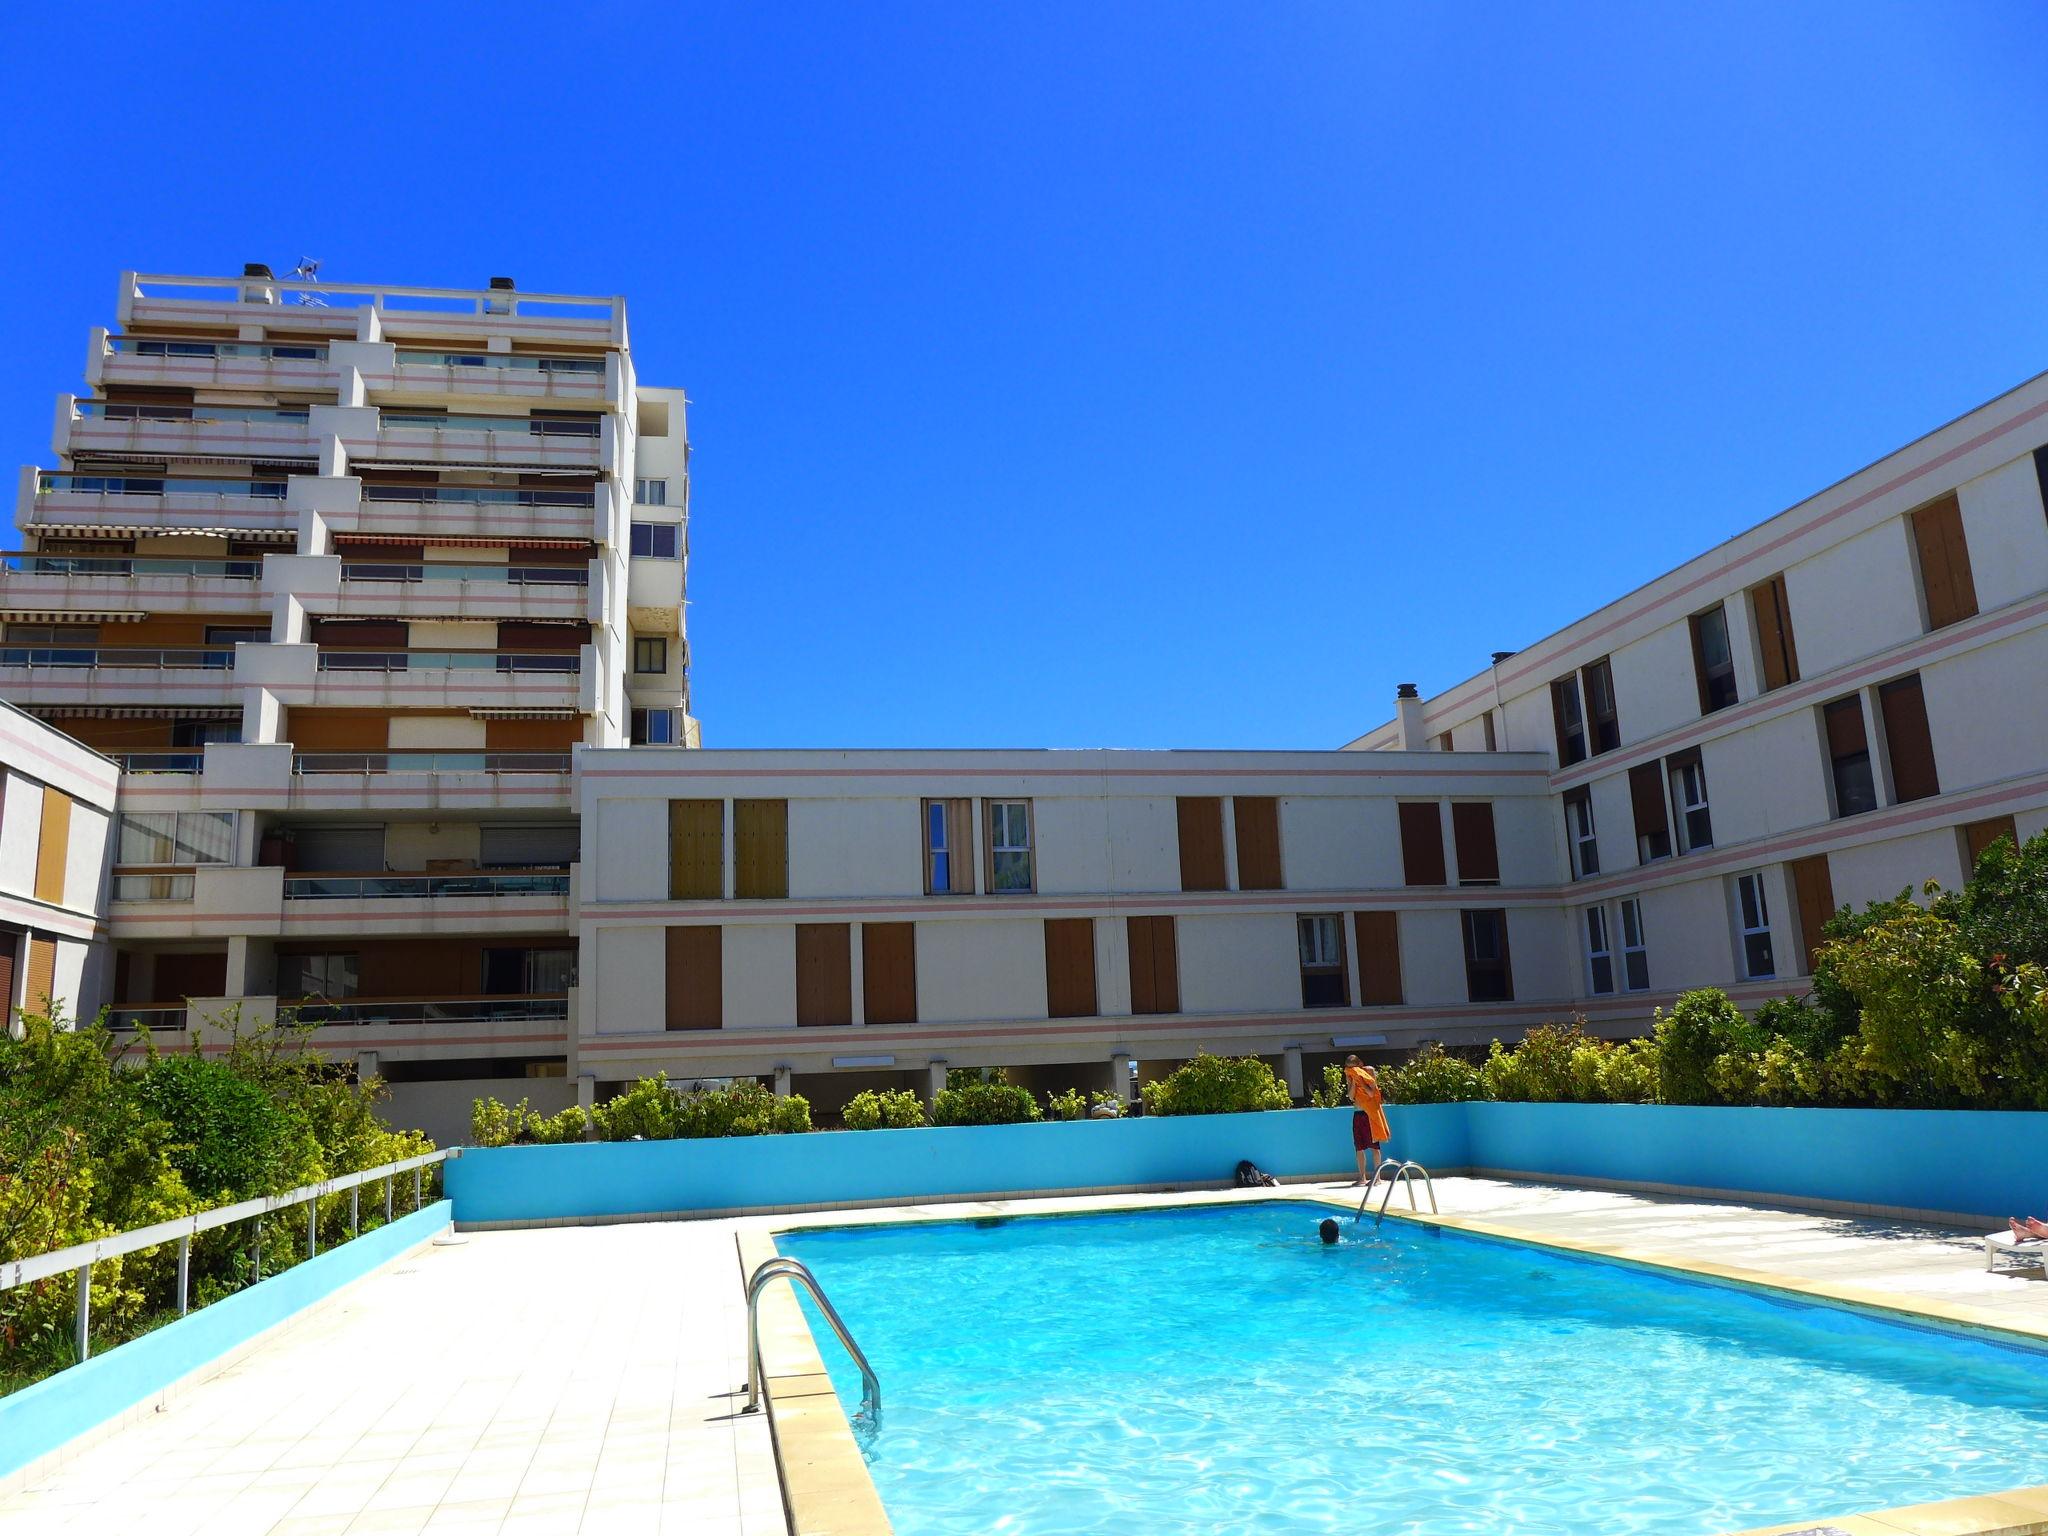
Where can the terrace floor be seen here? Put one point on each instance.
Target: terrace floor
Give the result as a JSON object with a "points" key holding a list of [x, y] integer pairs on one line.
{"points": [[582, 1379]]}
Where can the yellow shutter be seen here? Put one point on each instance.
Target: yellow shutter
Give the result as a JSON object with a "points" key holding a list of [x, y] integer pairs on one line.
{"points": [[54, 851], [696, 850], [760, 847]]}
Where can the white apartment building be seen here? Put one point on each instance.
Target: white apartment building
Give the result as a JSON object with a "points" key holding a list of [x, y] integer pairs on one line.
{"points": [[375, 594], [56, 834]]}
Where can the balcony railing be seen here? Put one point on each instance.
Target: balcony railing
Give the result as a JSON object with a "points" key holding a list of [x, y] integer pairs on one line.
{"points": [[456, 661], [34, 563], [413, 887], [210, 657], [533, 1006], [122, 410], [523, 426], [152, 888], [415, 358], [147, 1016], [157, 485], [430, 762], [150, 346], [479, 495], [443, 570], [161, 762]]}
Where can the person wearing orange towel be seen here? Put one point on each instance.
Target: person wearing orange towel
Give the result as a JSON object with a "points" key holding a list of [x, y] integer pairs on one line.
{"points": [[1369, 1130]]}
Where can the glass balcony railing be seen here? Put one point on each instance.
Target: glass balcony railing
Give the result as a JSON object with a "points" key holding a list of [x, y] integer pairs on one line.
{"points": [[125, 410], [415, 887], [34, 563], [157, 485], [456, 661], [207, 657], [480, 495], [415, 358], [524, 426], [162, 762], [150, 346], [430, 762], [432, 1010], [445, 570], [139, 1016], [152, 888]]}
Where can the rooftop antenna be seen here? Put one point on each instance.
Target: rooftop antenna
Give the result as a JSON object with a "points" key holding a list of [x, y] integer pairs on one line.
{"points": [[307, 270]]}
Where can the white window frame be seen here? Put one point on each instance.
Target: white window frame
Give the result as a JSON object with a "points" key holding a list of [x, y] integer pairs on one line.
{"points": [[938, 846], [1574, 692], [640, 640], [1584, 840], [184, 848], [650, 492], [1319, 940], [1006, 842], [1684, 803], [1749, 890], [1635, 950], [1599, 952]]}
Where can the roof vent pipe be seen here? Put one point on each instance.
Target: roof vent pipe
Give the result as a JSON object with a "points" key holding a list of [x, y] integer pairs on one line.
{"points": [[256, 284], [1501, 656], [1408, 718], [499, 303]]}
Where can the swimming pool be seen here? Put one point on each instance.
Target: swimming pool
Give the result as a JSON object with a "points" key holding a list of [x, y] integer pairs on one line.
{"points": [[1217, 1369]]}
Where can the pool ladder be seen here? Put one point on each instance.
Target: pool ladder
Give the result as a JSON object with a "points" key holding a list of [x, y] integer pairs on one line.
{"points": [[1402, 1172], [784, 1268]]}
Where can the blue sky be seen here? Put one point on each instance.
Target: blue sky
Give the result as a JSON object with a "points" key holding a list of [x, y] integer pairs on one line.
{"points": [[1137, 374]]}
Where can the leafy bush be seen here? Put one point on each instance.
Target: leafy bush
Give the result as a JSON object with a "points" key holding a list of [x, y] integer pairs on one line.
{"points": [[647, 1109], [1105, 1098], [1331, 1092], [892, 1109], [1702, 1027], [1217, 1085], [981, 1101], [1071, 1105], [564, 1125], [1431, 1076]]}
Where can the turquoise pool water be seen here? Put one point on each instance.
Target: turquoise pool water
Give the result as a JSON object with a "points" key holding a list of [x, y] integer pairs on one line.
{"points": [[1218, 1370]]}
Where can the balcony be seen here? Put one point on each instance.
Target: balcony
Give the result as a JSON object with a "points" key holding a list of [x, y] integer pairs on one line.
{"points": [[157, 363], [183, 431], [396, 1028], [115, 674], [425, 780], [409, 512], [66, 505], [413, 887], [368, 312], [413, 904], [129, 583], [458, 589], [452, 679], [520, 442], [422, 372]]}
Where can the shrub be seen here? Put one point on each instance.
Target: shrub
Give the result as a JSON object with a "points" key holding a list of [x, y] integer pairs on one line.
{"points": [[1071, 1105], [493, 1123], [1104, 1098], [647, 1109], [1431, 1076], [892, 1109], [742, 1108], [1702, 1026], [981, 1102], [234, 1139], [1217, 1085], [565, 1125]]}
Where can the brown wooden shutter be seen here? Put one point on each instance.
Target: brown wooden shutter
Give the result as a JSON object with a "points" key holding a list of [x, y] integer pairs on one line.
{"points": [[695, 997], [532, 735], [1908, 742], [41, 980], [888, 972], [1201, 842], [1422, 843], [696, 850], [1773, 610], [1258, 843], [1844, 719], [760, 849], [1472, 836], [1155, 965], [824, 973], [1379, 958], [1944, 562], [1813, 891], [1979, 835], [339, 730], [1646, 798], [7, 943], [54, 850], [1070, 967]]}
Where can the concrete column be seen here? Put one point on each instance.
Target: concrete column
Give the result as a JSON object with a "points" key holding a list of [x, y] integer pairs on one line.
{"points": [[366, 1065], [782, 1082], [1443, 830], [262, 715], [1230, 842], [858, 976], [1120, 1077], [252, 966], [586, 1091], [935, 1081], [1290, 1069]]}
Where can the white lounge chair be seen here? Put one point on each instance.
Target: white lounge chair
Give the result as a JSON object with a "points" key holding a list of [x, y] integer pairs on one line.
{"points": [[2017, 1253]]}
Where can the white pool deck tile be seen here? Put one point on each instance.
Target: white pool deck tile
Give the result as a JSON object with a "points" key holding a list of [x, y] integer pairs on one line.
{"points": [[588, 1379]]}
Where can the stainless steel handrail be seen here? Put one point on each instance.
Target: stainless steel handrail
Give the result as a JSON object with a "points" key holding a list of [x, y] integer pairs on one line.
{"points": [[785, 1268], [1401, 1171]]}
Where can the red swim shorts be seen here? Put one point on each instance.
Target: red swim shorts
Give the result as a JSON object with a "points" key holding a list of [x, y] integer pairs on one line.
{"points": [[1361, 1131]]}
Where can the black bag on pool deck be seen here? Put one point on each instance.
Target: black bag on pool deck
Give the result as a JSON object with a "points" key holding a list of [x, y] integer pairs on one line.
{"points": [[1251, 1176]]}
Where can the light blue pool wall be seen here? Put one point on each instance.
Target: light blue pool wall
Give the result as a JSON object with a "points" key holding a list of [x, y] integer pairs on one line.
{"points": [[41, 1418], [1963, 1162]]}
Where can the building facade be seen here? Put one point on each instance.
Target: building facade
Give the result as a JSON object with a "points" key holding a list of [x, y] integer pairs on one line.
{"points": [[375, 598], [56, 840]]}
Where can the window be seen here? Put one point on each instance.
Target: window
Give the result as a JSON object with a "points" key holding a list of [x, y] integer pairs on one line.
{"points": [[824, 974], [654, 728], [651, 493], [1155, 964], [1579, 835], [1320, 938], [1200, 819], [1689, 798], [182, 837], [1772, 610], [550, 970], [1070, 967], [188, 735], [333, 976], [1487, 976], [1599, 954], [760, 850], [1379, 958], [1653, 821], [1635, 958], [528, 845], [656, 541], [696, 851], [1713, 663], [1443, 742], [1257, 819], [1422, 843], [1813, 897], [1571, 724], [888, 972], [1944, 560], [1908, 745], [650, 653], [1849, 756], [1753, 920], [1008, 824], [948, 848], [1472, 836], [1604, 724], [693, 980]]}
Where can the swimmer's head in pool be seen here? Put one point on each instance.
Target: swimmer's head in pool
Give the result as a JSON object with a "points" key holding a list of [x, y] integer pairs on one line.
{"points": [[1328, 1228]]}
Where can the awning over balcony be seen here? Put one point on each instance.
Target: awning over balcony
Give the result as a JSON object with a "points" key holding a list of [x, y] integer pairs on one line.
{"points": [[156, 530], [463, 540], [135, 711], [493, 712], [67, 616]]}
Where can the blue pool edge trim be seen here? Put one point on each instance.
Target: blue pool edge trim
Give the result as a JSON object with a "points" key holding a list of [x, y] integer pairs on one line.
{"points": [[46, 1417]]}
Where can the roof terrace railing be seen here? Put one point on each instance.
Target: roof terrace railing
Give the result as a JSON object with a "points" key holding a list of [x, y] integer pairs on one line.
{"points": [[269, 351], [156, 485], [298, 294], [456, 661], [30, 562], [206, 657], [79, 1259], [539, 882], [448, 570], [424, 761], [413, 358]]}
